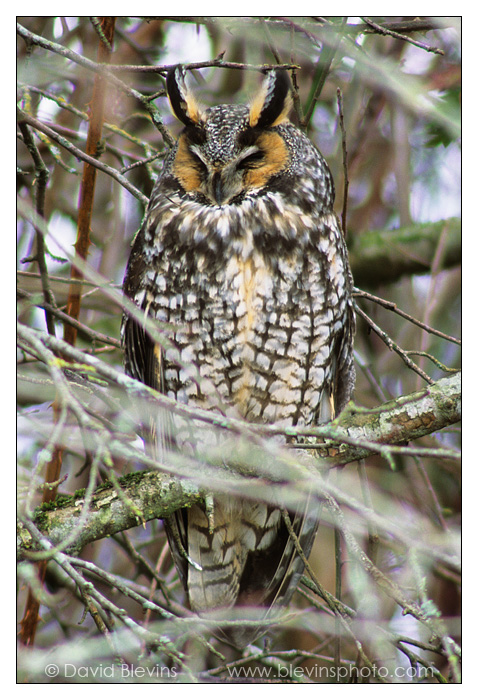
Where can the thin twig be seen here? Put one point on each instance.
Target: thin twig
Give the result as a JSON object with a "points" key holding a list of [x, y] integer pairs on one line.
{"points": [[393, 345], [436, 266], [213, 63], [258, 433], [34, 39], [367, 499], [308, 568], [391, 306], [284, 23], [344, 162], [78, 153], [85, 330], [322, 69], [380, 29], [429, 618], [42, 175], [97, 23]]}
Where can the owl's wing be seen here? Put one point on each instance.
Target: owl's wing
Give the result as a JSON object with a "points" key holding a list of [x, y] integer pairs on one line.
{"points": [[143, 360]]}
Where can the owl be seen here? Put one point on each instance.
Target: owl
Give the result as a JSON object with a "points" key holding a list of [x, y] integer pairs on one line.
{"points": [[242, 265]]}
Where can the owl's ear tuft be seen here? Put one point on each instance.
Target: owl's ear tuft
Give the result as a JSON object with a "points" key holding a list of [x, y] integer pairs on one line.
{"points": [[182, 100], [273, 102]]}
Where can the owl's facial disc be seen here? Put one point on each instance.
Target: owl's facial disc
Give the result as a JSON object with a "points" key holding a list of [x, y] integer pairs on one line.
{"points": [[221, 182]]}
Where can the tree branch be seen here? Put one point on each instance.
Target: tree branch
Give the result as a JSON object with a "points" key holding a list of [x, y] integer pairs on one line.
{"points": [[357, 433], [88, 181], [379, 257], [152, 494], [383, 430], [78, 153]]}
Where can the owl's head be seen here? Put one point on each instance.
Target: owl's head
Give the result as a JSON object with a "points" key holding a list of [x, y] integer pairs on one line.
{"points": [[227, 151]]}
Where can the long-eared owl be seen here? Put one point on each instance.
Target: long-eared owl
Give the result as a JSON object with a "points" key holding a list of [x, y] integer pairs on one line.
{"points": [[242, 263]]}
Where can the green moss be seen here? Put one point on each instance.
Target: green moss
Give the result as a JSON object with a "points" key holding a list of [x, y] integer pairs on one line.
{"points": [[59, 502]]}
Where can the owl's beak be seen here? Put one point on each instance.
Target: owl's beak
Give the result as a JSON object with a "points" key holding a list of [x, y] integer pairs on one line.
{"points": [[218, 190], [224, 183]]}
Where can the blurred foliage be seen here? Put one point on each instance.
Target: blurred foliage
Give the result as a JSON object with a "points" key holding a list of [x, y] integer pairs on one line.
{"points": [[401, 110]]}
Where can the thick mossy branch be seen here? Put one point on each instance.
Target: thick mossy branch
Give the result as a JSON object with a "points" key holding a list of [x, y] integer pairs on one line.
{"points": [[382, 257], [147, 495], [138, 497], [395, 422]]}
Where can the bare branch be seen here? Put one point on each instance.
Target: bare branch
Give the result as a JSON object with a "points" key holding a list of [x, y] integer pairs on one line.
{"points": [[62, 141], [391, 306], [380, 29]]}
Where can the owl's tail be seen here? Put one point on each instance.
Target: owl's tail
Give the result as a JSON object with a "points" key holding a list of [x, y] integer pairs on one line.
{"points": [[221, 554]]}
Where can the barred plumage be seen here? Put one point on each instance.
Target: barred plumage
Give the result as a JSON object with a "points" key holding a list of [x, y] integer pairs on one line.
{"points": [[242, 261]]}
